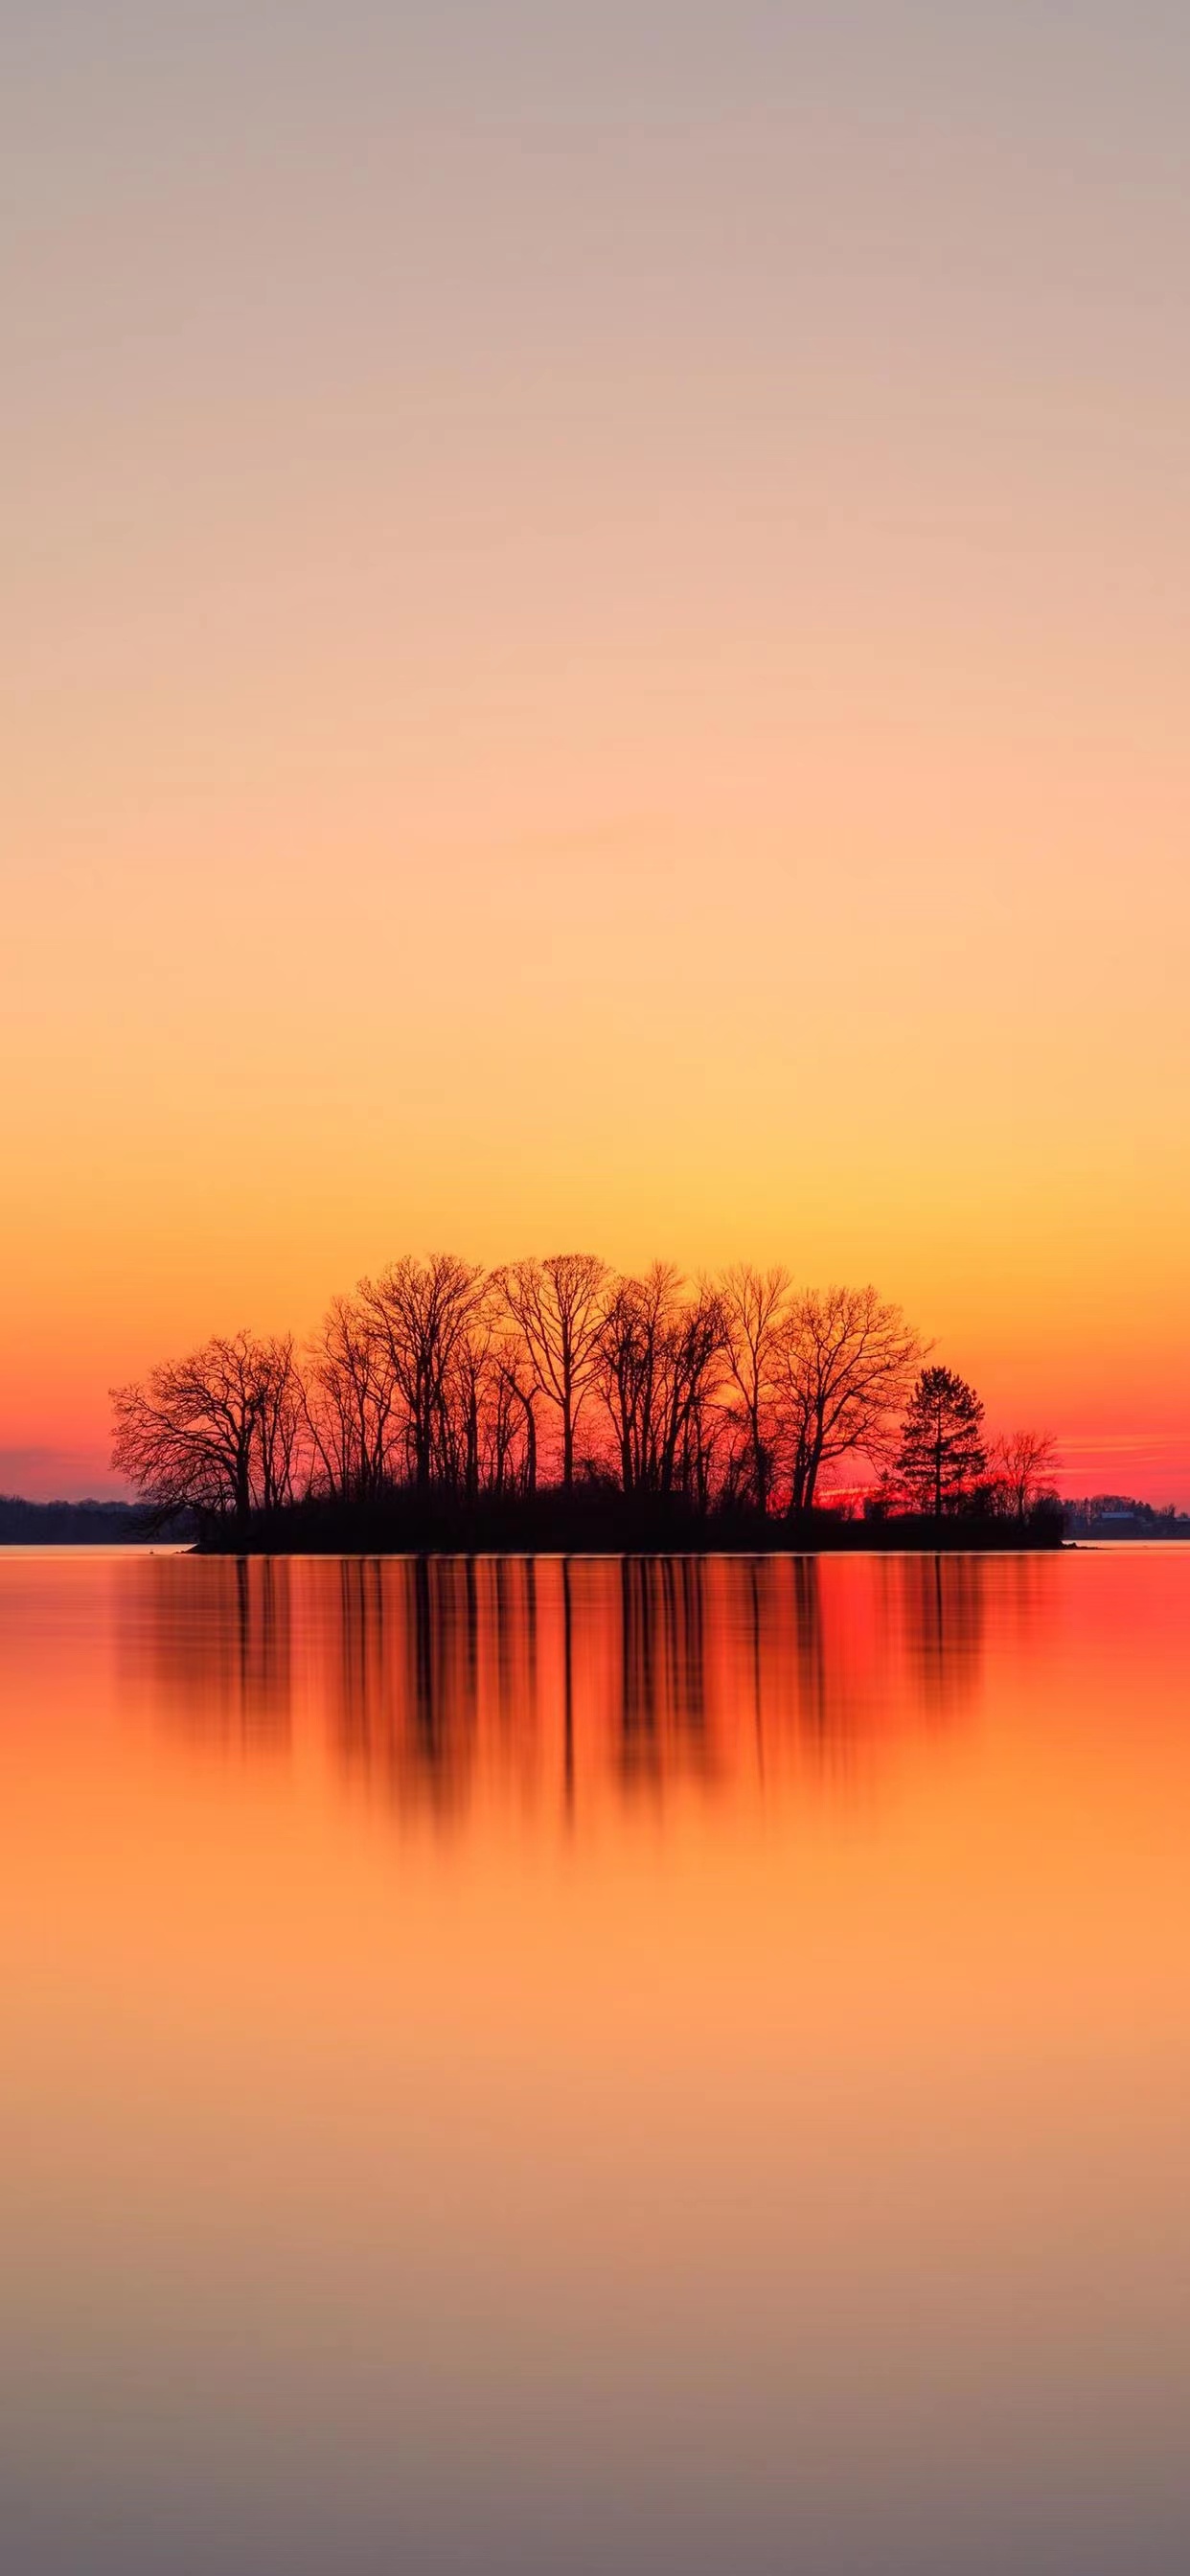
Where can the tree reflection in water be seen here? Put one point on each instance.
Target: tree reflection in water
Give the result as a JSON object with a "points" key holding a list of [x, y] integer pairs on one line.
{"points": [[558, 1681], [213, 1644]]}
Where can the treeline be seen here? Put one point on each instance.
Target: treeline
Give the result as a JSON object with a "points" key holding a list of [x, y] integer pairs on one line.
{"points": [[440, 1389], [85, 1524], [1122, 1516]]}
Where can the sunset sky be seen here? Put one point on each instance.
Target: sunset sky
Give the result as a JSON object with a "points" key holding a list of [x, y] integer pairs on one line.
{"points": [[596, 622]]}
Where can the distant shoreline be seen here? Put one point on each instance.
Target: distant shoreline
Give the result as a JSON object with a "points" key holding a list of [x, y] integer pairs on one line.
{"points": [[582, 1527]]}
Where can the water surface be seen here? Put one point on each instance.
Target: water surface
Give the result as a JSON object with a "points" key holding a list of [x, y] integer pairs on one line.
{"points": [[580, 2067]]}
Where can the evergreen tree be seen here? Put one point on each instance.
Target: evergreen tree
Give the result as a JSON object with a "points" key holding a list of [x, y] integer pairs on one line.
{"points": [[941, 1454]]}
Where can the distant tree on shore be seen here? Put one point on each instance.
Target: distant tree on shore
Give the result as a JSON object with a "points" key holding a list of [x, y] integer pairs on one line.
{"points": [[1105, 1512], [1023, 1464], [941, 1457]]}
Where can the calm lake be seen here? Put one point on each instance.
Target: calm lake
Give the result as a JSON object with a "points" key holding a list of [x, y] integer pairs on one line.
{"points": [[632, 2067]]}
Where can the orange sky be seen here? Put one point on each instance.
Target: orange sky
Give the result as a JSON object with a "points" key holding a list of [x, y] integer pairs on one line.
{"points": [[598, 640]]}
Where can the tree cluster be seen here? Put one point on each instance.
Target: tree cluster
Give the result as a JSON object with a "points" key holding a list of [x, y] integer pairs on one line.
{"points": [[944, 1463], [441, 1379], [1124, 1515]]}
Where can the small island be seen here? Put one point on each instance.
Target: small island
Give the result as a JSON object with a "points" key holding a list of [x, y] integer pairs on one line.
{"points": [[559, 1405]]}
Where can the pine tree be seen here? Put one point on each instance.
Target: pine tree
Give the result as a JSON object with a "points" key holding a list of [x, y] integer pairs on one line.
{"points": [[941, 1454]]}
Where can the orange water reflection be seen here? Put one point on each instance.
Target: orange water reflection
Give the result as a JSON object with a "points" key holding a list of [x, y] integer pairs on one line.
{"points": [[668, 2067], [435, 1680]]}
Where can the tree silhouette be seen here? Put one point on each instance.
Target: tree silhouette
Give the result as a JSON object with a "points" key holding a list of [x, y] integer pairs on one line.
{"points": [[218, 1432], [420, 1411], [941, 1455], [557, 1306], [846, 1360], [1024, 1462], [755, 1305], [657, 1369], [350, 1393], [421, 1311]]}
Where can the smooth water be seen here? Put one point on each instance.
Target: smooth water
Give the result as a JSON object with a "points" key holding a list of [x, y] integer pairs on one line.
{"points": [[651, 2067]]}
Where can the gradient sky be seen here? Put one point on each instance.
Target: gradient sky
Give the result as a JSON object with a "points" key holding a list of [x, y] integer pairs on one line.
{"points": [[596, 619]]}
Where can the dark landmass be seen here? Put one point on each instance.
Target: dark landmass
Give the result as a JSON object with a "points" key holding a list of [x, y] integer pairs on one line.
{"points": [[587, 1522], [598, 1523], [86, 1524]]}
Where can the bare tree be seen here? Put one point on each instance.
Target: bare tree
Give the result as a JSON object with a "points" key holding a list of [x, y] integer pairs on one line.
{"points": [[421, 1309], [630, 1371], [1023, 1463], [518, 1393], [557, 1307], [485, 1427], [282, 1422], [697, 1343], [509, 1427], [350, 1392], [846, 1361], [218, 1432], [755, 1304], [463, 1409], [657, 1365]]}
